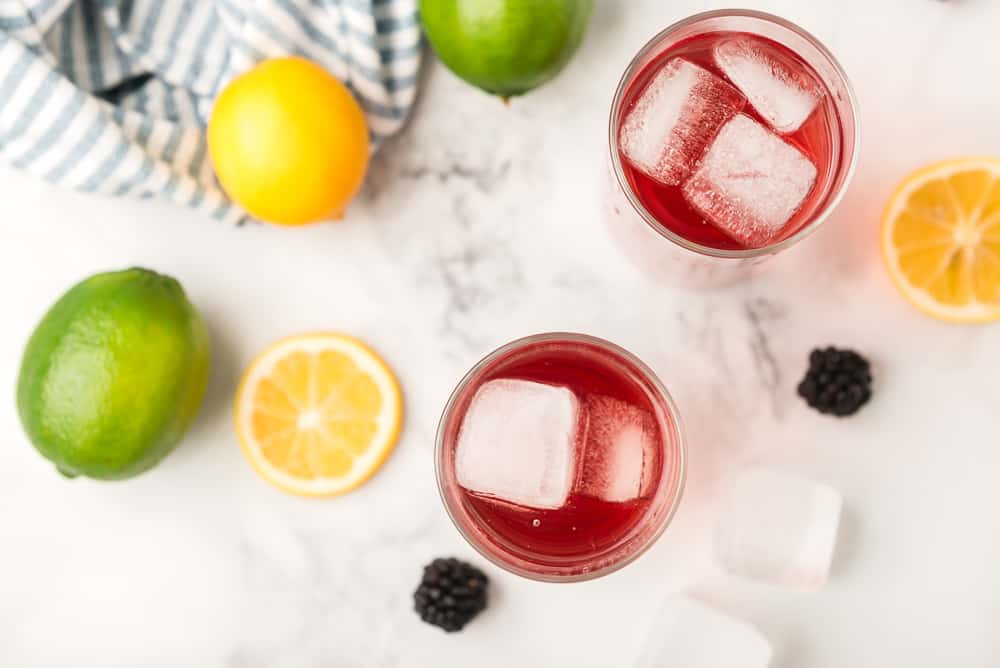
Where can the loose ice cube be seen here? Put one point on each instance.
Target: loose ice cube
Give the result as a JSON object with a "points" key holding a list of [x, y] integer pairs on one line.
{"points": [[750, 182], [675, 118], [689, 634], [778, 89], [778, 528], [518, 442], [619, 452]]}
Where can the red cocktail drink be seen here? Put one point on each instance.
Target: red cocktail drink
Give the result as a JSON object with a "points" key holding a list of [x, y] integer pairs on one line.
{"points": [[560, 457], [733, 135]]}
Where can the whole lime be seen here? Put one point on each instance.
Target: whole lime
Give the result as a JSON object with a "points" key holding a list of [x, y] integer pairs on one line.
{"points": [[505, 47], [114, 374]]}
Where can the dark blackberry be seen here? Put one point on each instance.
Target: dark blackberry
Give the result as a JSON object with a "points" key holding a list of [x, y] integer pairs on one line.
{"points": [[839, 382], [450, 594]]}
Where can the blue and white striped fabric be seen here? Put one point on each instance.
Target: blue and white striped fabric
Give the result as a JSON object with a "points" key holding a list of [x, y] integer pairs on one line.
{"points": [[112, 96]]}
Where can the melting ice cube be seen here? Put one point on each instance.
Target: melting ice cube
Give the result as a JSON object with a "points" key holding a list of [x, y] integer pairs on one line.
{"points": [[775, 87], [675, 118], [619, 451], [518, 442], [778, 528], [689, 634], [750, 182]]}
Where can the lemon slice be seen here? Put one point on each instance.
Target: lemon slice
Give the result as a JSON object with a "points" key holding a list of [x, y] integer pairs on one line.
{"points": [[317, 414], [941, 239]]}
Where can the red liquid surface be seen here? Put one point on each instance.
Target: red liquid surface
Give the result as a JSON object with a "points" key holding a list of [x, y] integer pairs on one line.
{"points": [[584, 526], [818, 139]]}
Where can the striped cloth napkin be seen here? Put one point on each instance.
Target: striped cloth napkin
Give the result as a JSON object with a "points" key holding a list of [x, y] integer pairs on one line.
{"points": [[112, 96]]}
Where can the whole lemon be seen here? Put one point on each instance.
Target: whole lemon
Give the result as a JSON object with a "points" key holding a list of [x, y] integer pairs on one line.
{"points": [[114, 374], [289, 142]]}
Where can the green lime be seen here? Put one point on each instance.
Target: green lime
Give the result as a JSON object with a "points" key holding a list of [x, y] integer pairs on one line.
{"points": [[114, 374], [505, 47]]}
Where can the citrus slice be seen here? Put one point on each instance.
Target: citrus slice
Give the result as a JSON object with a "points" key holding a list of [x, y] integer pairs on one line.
{"points": [[317, 414], [941, 239]]}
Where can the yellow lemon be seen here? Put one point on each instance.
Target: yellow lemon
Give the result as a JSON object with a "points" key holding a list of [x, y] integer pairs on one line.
{"points": [[289, 142], [317, 414], [941, 239]]}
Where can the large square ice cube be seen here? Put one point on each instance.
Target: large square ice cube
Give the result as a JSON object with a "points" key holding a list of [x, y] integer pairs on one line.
{"points": [[750, 182], [778, 528], [689, 634], [781, 92], [619, 451], [518, 442], [675, 118]]}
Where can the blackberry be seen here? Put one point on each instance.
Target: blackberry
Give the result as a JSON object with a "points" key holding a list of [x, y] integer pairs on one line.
{"points": [[450, 594], [839, 382]]}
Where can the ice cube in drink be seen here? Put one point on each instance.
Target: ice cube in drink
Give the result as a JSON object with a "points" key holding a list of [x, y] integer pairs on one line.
{"points": [[675, 118], [518, 443], [779, 91], [750, 182], [619, 455]]}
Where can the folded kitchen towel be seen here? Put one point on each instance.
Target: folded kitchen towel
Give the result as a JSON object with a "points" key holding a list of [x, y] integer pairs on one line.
{"points": [[112, 96]]}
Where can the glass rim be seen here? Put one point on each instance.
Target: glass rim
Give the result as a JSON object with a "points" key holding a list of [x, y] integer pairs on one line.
{"points": [[648, 218], [647, 373]]}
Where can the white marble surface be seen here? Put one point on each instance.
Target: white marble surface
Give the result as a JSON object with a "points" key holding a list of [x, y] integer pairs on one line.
{"points": [[480, 224]]}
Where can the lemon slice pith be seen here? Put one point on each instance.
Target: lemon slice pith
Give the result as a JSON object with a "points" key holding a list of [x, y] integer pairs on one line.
{"points": [[317, 414], [941, 239]]}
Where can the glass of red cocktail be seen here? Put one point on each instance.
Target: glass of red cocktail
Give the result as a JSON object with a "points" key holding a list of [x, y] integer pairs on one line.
{"points": [[733, 134], [560, 457]]}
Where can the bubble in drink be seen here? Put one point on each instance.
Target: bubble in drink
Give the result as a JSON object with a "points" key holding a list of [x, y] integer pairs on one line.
{"points": [[518, 442], [779, 91], [689, 634], [619, 450], [778, 528], [750, 182], [675, 118]]}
